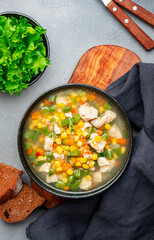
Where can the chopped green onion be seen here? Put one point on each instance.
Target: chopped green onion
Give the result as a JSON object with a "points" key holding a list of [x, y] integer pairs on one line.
{"points": [[75, 153], [118, 152], [76, 118], [70, 122], [45, 131], [64, 122], [53, 119], [45, 110], [105, 136], [37, 131], [75, 185], [109, 154], [52, 109], [66, 109], [85, 172], [125, 133], [28, 134], [55, 100], [77, 173], [51, 172], [49, 156], [59, 184], [34, 137], [107, 106], [70, 180], [28, 145]]}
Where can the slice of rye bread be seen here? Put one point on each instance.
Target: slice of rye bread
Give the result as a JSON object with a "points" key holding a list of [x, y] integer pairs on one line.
{"points": [[19, 207], [10, 182]]}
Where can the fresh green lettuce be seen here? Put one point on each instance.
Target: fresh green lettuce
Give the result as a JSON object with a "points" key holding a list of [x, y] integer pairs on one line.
{"points": [[22, 53]]}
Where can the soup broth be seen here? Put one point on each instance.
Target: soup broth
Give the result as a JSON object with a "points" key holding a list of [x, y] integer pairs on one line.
{"points": [[75, 140]]}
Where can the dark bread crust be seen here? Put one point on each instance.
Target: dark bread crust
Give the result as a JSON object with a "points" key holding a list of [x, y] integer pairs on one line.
{"points": [[11, 183], [18, 208]]}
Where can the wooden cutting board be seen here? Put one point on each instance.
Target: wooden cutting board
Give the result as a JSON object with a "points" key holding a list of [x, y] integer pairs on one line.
{"points": [[99, 66]]}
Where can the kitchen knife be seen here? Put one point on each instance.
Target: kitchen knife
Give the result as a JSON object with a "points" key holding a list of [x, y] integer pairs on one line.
{"points": [[129, 24]]}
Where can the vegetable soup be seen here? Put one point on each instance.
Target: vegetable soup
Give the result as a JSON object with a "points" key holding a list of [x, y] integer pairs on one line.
{"points": [[75, 140]]}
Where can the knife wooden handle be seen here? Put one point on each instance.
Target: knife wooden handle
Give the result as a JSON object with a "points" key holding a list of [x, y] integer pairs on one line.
{"points": [[137, 10], [131, 26]]}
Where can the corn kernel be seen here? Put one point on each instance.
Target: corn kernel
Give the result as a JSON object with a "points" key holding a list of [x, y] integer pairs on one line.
{"points": [[78, 164], [31, 127], [73, 95], [78, 99], [40, 158], [79, 132], [64, 174], [59, 150], [123, 149], [49, 117], [107, 147], [39, 125], [35, 122], [64, 179], [35, 146], [84, 133], [98, 139], [72, 148], [70, 171], [60, 105], [94, 156], [41, 105], [81, 124], [101, 110], [59, 111], [107, 126], [58, 141], [76, 138], [62, 116], [59, 169], [41, 139], [68, 131], [65, 153], [68, 98], [57, 164], [79, 144], [115, 156], [64, 135], [88, 177], [55, 114], [85, 166], [83, 160], [84, 98], [91, 163], [113, 140]]}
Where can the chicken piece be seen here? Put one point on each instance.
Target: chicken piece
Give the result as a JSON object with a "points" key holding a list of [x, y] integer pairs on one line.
{"points": [[88, 156], [102, 162], [97, 177], [86, 125], [99, 147], [58, 156], [87, 112], [48, 145], [51, 179], [69, 114], [45, 167], [61, 99], [107, 117], [57, 129], [85, 184], [115, 132]]}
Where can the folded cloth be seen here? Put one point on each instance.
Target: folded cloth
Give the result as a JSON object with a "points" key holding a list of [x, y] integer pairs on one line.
{"points": [[126, 210]]}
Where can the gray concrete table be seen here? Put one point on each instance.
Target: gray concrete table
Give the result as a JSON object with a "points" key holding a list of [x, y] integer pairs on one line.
{"points": [[73, 26]]}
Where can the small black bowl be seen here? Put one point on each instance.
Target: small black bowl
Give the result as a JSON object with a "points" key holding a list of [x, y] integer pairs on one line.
{"points": [[52, 189], [34, 23]]}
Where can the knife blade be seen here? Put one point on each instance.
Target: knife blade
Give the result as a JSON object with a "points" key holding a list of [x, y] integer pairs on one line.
{"points": [[129, 24]]}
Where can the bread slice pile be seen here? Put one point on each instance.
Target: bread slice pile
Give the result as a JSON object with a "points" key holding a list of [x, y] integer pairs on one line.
{"points": [[17, 199]]}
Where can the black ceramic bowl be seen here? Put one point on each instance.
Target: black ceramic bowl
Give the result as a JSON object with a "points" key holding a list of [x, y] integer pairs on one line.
{"points": [[52, 189], [34, 23]]}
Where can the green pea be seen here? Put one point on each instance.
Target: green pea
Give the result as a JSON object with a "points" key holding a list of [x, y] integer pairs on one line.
{"points": [[45, 110]]}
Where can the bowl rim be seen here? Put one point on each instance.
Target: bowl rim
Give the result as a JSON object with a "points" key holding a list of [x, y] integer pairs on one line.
{"points": [[44, 36], [61, 193]]}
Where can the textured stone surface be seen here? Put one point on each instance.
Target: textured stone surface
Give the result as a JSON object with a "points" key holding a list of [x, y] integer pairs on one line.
{"points": [[73, 27]]}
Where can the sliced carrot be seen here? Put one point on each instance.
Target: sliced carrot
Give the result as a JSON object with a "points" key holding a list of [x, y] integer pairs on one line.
{"points": [[70, 142], [83, 102], [74, 160], [121, 141], [35, 115], [54, 145], [28, 140], [30, 151], [116, 164], [102, 102], [42, 151], [84, 141], [99, 132], [73, 109], [91, 97], [46, 102], [110, 138], [65, 166], [66, 188], [69, 103]]}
